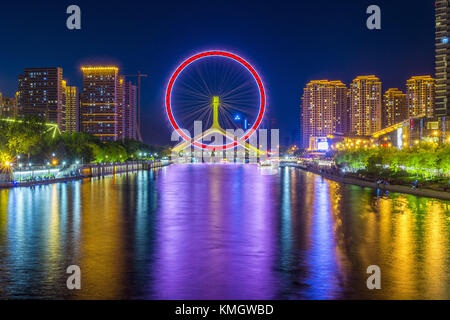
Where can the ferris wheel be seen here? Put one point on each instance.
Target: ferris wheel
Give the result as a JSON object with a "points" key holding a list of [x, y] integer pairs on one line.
{"points": [[222, 91]]}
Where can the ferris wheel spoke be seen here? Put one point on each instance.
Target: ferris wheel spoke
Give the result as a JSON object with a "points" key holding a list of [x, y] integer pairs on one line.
{"points": [[228, 121], [196, 84], [192, 95], [239, 89], [239, 94], [198, 104], [227, 75], [203, 117], [200, 79], [193, 115], [189, 117], [239, 102], [188, 88], [240, 109]]}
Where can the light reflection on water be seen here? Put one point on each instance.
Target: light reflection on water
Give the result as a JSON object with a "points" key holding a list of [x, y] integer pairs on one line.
{"points": [[221, 232]]}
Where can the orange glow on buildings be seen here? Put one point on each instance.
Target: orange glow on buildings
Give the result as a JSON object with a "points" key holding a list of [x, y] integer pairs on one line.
{"points": [[365, 105], [420, 96], [323, 109]]}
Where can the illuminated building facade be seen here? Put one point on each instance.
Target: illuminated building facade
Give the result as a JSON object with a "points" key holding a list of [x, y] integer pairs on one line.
{"points": [[126, 110], [72, 110], [100, 102], [442, 11], [129, 111], [420, 96], [40, 93], [412, 131], [395, 108], [323, 109], [365, 101], [120, 108], [8, 107]]}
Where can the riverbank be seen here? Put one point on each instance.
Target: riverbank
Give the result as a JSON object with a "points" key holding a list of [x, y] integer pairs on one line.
{"points": [[423, 192], [87, 171]]}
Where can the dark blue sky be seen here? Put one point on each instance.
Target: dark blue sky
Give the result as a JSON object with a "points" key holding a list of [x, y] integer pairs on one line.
{"points": [[288, 42]]}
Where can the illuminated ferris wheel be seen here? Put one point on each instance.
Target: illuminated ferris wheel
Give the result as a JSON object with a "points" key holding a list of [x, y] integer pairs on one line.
{"points": [[222, 91]]}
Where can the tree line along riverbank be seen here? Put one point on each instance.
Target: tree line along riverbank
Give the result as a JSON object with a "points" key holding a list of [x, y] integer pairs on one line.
{"points": [[422, 170], [426, 165], [389, 186], [83, 171]]}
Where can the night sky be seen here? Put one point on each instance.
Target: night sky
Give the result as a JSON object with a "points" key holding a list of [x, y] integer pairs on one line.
{"points": [[288, 42]]}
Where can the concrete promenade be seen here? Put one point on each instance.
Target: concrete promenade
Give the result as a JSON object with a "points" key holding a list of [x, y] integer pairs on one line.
{"points": [[90, 170], [390, 187]]}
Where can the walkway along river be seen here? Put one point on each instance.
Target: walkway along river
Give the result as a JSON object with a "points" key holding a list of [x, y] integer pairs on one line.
{"points": [[67, 173], [363, 183]]}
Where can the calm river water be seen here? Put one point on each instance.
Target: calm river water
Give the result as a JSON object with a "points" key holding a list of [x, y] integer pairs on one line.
{"points": [[221, 232]]}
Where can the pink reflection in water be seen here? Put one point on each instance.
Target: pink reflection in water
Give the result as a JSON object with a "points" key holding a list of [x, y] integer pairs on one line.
{"points": [[205, 234]]}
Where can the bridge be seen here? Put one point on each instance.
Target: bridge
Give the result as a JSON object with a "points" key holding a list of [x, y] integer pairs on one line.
{"points": [[217, 129]]}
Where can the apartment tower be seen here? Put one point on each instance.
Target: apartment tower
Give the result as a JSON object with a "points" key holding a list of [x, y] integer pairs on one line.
{"points": [[365, 101], [40, 93], [442, 58], [72, 110], [323, 109], [395, 108], [420, 96], [100, 102]]}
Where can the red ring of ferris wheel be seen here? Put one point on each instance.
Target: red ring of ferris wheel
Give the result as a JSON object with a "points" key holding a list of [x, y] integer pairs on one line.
{"points": [[213, 53]]}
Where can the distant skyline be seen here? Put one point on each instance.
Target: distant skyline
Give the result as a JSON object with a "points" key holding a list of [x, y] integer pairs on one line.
{"points": [[288, 42]]}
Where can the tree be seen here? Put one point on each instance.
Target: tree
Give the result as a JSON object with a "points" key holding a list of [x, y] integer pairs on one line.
{"points": [[21, 136]]}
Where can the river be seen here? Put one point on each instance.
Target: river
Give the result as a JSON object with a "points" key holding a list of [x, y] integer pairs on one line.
{"points": [[221, 231]]}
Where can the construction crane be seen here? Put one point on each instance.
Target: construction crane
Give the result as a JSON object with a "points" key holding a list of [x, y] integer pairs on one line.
{"points": [[139, 75]]}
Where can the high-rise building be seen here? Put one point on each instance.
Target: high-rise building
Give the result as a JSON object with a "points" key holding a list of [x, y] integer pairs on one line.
{"points": [[365, 105], [395, 108], [442, 11], [72, 111], [8, 107], [126, 109], [121, 108], [323, 109], [129, 111], [420, 96], [41, 93], [100, 102]]}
